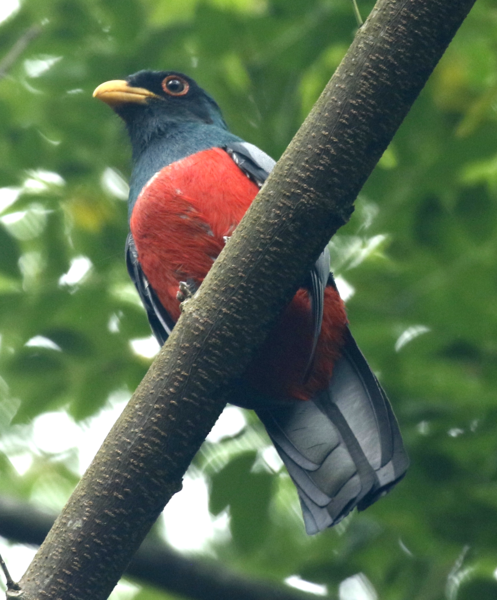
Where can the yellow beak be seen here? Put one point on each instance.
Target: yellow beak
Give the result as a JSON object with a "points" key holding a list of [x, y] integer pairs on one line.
{"points": [[118, 92]]}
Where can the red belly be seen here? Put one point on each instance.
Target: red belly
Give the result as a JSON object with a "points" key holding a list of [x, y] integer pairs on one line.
{"points": [[179, 223]]}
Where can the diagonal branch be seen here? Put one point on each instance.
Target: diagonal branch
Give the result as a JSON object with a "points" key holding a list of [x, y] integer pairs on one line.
{"points": [[308, 196]]}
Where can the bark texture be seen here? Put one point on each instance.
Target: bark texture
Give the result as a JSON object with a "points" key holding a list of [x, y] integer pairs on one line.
{"points": [[308, 197]]}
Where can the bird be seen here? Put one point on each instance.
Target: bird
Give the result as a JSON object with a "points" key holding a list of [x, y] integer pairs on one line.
{"points": [[192, 181]]}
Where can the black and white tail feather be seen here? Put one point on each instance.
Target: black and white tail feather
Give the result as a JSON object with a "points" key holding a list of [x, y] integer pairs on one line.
{"points": [[343, 449], [160, 321]]}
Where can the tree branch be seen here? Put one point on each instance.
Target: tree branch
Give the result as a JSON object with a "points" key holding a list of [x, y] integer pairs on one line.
{"points": [[155, 563], [308, 196]]}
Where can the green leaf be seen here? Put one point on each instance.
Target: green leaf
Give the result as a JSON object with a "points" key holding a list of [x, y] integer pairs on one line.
{"points": [[247, 495], [9, 254]]}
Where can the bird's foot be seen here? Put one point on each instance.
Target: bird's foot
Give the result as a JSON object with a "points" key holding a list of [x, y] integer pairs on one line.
{"points": [[185, 294]]}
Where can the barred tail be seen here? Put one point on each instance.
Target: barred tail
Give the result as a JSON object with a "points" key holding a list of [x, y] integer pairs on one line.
{"points": [[343, 449]]}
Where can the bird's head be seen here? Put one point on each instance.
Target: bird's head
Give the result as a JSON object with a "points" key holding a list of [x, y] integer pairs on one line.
{"points": [[151, 103], [168, 117]]}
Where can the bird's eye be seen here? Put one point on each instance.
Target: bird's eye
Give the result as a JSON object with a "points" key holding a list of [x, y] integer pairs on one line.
{"points": [[175, 85]]}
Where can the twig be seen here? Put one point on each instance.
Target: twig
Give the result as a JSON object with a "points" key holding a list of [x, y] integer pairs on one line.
{"points": [[18, 48], [11, 584], [357, 14]]}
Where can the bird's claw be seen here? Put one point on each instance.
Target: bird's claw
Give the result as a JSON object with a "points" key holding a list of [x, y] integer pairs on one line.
{"points": [[184, 294]]}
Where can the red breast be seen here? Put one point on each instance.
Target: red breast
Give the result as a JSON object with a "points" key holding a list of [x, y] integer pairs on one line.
{"points": [[179, 223]]}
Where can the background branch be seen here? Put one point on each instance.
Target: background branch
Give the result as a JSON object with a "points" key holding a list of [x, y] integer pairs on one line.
{"points": [[154, 563]]}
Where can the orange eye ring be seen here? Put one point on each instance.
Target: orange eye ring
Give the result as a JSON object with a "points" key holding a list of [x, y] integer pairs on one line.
{"points": [[174, 85]]}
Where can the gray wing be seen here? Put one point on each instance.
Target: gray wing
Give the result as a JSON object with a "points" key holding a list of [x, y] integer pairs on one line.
{"points": [[257, 165], [317, 280]]}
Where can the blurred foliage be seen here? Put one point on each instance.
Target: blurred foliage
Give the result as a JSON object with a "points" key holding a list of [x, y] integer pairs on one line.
{"points": [[419, 255]]}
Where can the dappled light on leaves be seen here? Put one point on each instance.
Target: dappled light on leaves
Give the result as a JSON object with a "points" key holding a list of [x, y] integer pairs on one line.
{"points": [[416, 263]]}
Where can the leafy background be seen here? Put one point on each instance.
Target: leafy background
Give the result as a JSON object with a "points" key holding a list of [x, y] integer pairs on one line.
{"points": [[417, 262]]}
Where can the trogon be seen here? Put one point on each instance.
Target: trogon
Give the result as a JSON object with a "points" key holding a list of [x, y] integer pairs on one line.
{"points": [[191, 183]]}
